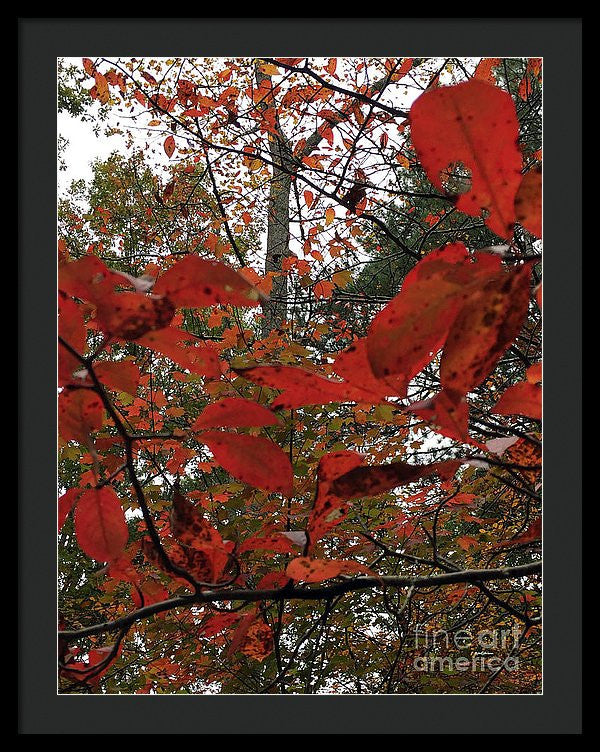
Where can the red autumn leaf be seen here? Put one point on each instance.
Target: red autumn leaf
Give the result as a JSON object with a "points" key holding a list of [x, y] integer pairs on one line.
{"points": [[447, 414], [121, 375], [217, 623], [88, 278], [251, 459], [406, 334], [484, 328], [129, 315], [466, 542], [100, 524], [300, 387], [148, 592], [71, 328], [375, 479], [197, 283], [309, 198], [475, 124], [198, 358], [190, 527], [316, 570], [169, 146], [353, 365], [528, 202], [329, 510], [192, 113], [80, 412], [273, 541], [272, 580], [521, 399], [252, 637], [484, 69], [201, 564], [180, 457], [66, 502], [234, 412]]}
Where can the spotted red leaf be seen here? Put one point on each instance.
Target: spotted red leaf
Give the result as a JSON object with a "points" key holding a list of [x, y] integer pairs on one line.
{"points": [[195, 282], [88, 66], [199, 563], [88, 278], [484, 328], [251, 459], [80, 412], [374, 479], [192, 529], [316, 570], [475, 124], [258, 641], [406, 334], [100, 524], [329, 510], [129, 315]]}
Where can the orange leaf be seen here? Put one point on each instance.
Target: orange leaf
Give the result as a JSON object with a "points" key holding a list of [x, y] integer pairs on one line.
{"points": [[528, 202], [169, 146], [323, 289]]}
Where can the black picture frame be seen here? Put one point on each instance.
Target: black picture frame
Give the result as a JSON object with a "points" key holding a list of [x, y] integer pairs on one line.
{"points": [[558, 709]]}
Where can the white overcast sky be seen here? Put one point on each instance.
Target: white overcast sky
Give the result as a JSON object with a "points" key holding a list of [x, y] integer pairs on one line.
{"points": [[84, 147]]}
